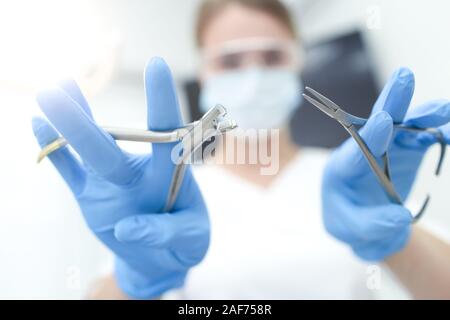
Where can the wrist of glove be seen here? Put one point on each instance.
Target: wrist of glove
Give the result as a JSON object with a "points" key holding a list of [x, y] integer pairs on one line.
{"points": [[144, 285]]}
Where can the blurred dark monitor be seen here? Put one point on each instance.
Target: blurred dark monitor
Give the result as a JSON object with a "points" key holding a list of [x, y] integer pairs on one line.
{"points": [[339, 68]]}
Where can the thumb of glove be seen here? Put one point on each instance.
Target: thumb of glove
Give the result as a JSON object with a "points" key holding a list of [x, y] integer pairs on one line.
{"points": [[377, 134]]}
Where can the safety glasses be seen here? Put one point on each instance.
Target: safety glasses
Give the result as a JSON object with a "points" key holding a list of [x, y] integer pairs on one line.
{"points": [[243, 53]]}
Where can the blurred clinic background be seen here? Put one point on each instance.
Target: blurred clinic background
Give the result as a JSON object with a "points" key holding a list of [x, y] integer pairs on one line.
{"points": [[352, 46]]}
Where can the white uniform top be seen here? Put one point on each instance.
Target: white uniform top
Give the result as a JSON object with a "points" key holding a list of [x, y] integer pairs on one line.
{"points": [[271, 243]]}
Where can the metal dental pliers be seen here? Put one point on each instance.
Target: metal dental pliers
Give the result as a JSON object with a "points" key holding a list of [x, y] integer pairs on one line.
{"points": [[191, 136], [351, 122]]}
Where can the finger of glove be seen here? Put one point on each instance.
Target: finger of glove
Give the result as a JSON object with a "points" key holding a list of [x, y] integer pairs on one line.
{"points": [[445, 130], [432, 114], [380, 250], [396, 95], [96, 148], [161, 230], [64, 161], [163, 111], [349, 161], [355, 223], [71, 88]]}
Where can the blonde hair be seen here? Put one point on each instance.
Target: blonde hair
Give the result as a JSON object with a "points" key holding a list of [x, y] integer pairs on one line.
{"points": [[210, 8]]}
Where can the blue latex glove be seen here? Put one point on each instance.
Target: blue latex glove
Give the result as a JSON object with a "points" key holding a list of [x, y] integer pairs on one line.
{"points": [[121, 195], [355, 208]]}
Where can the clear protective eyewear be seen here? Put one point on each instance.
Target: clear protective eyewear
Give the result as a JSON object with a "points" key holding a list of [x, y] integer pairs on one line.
{"points": [[243, 53]]}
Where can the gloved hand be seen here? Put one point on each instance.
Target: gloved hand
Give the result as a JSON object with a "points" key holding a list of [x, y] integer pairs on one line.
{"points": [[355, 208], [121, 195]]}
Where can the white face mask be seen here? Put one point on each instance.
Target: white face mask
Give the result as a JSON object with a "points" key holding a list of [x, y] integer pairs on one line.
{"points": [[256, 98]]}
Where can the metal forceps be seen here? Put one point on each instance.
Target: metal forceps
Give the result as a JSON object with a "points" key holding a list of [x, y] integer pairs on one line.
{"points": [[351, 122], [191, 136]]}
